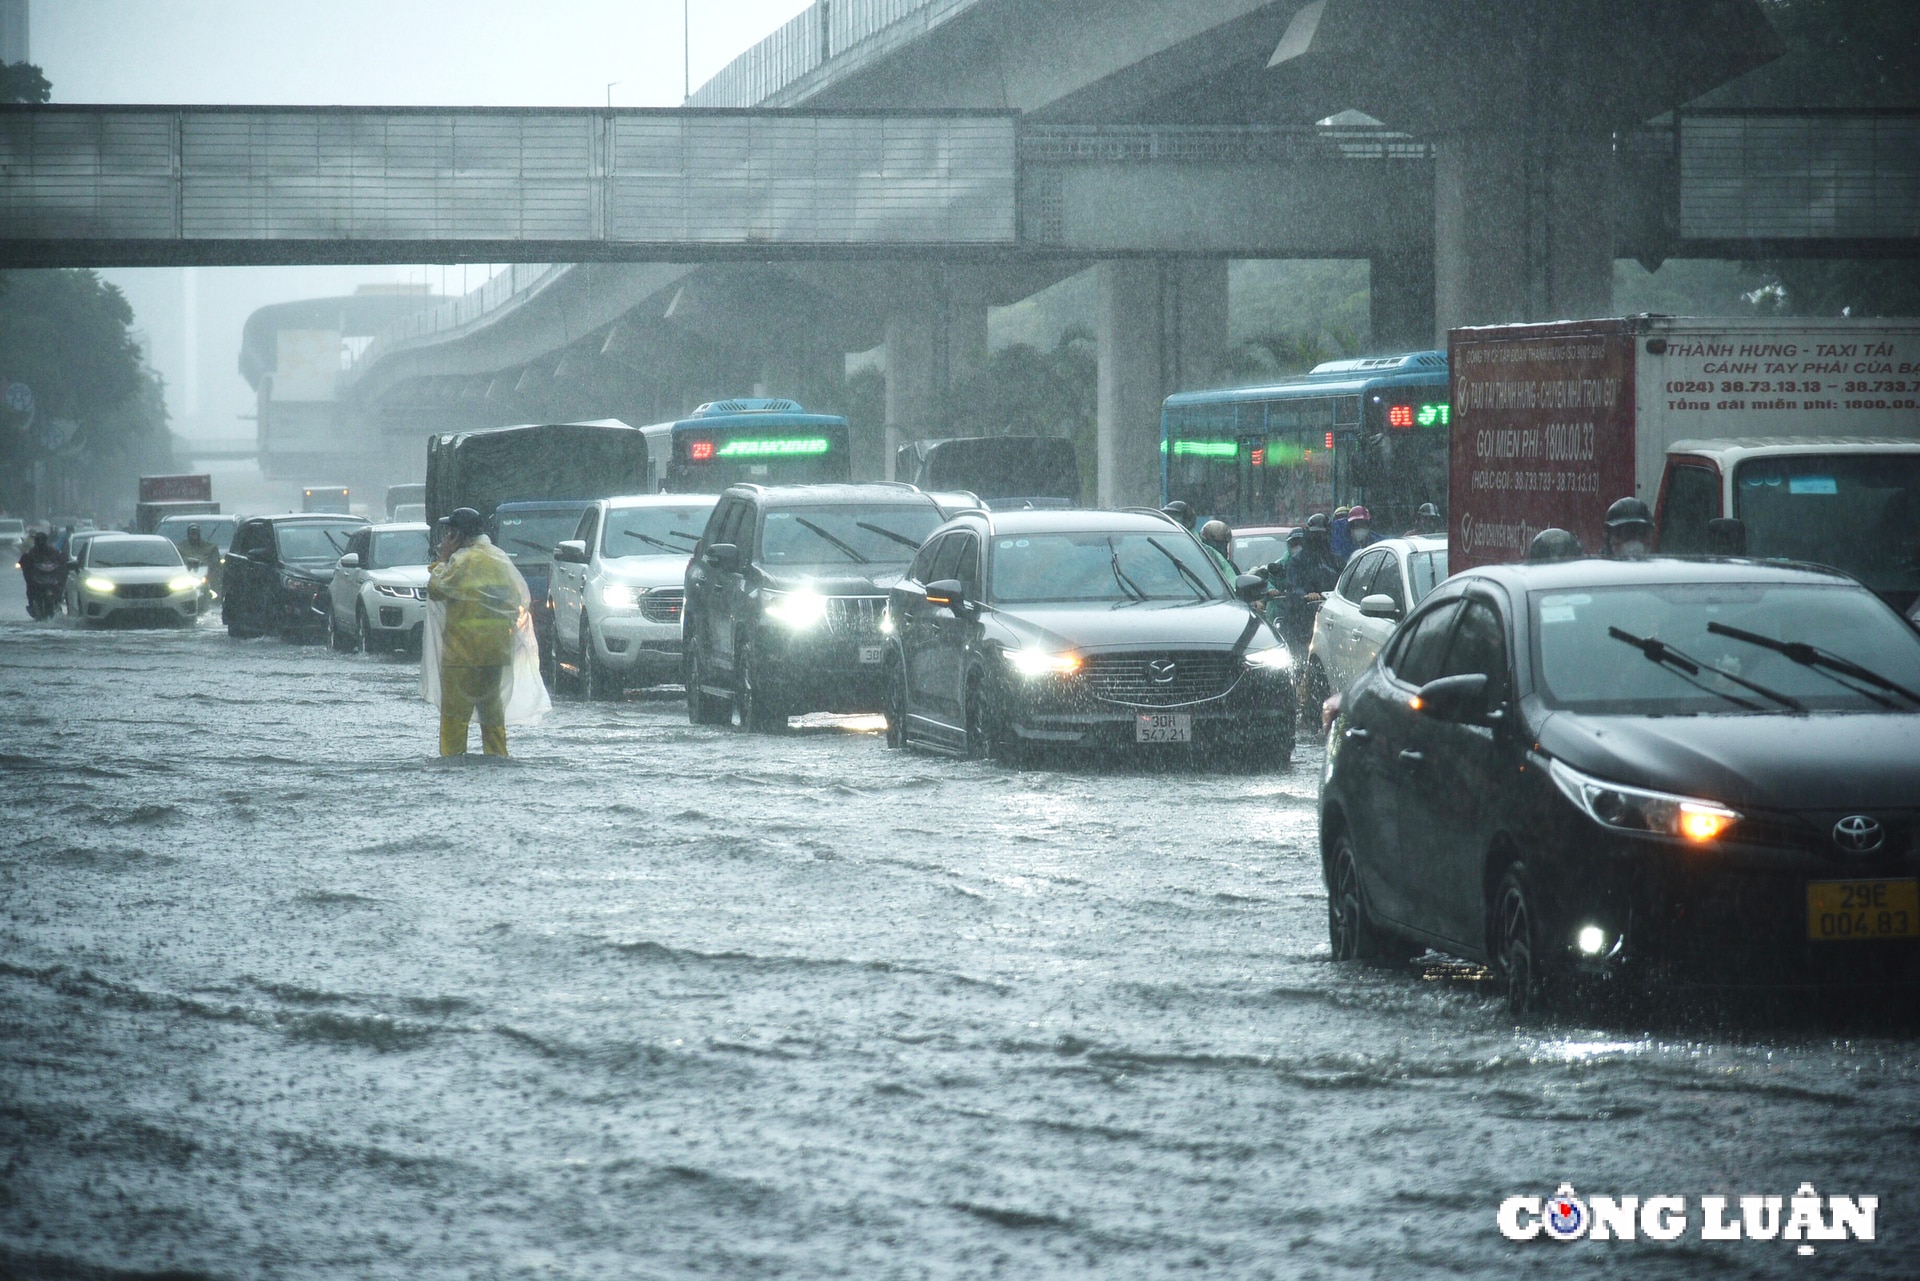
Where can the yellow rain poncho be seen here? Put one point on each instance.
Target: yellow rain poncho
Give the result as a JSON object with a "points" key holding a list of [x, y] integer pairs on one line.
{"points": [[479, 653]]}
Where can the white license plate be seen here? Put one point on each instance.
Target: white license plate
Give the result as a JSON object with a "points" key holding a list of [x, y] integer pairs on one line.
{"points": [[871, 655], [1163, 727]]}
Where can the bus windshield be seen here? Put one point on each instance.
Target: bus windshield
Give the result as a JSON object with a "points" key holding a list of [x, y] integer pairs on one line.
{"points": [[708, 457]]}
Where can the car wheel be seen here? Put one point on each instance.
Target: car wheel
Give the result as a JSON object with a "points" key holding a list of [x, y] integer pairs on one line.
{"points": [[235, 628], [549, 669], [1350, 929], [1517, 957], [987, 710], [1314, 692], [703, 708], [368, 640], [596, 682], [981, 731], [750, 699], [896, 704], [337, 638]]}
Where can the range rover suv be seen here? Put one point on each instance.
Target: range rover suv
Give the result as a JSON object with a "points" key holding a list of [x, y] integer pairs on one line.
{"points": [[785, 593]]}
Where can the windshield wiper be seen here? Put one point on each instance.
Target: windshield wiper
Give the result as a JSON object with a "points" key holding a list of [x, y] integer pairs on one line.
{"points": [[1688, 667], [1127, 585], [534, 547], [902, 539], [1192, 579], [1823, 661], [852, 555], [649, 538]]}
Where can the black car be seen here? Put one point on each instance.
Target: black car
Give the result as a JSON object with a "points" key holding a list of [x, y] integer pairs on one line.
{"points": [[1092, 629], [1657, 772], [276, 573], [784, 597]]}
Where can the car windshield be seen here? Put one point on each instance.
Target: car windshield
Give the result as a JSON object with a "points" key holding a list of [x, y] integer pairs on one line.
{"points": [[130, 553], [1102, 566], [1856, 512], [1258, 549], [13, 526], [315, 542], [217, 531], [654, 531], [529, 537], [850, 535], [1426, 570], [401, 547], [1583, 667]]}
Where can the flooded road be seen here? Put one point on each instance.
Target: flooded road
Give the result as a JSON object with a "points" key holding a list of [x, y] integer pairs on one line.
{"points": [[284, 996]]}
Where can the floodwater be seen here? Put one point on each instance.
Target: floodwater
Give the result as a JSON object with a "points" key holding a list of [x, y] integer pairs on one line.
{"points": [[282, 996]]}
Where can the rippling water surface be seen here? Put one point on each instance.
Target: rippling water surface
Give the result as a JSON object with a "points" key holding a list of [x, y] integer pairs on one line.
{"points": [[282, 996]]}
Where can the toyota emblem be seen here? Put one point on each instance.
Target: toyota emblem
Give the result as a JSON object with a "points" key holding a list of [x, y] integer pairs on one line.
{"points": [[1858, 834], [1162, 671]]}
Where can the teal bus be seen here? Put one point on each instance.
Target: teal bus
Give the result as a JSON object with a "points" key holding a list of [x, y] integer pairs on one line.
{"points": [[737, 442], [1371, 431]]}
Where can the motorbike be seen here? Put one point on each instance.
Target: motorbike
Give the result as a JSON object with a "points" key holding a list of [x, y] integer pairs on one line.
{"points": [[44, 588]]}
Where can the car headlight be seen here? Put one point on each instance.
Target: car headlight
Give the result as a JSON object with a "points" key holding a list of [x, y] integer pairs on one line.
{"points": [[798, 610], [404, 593], [1039, 662], [1276, 659], [1635, 809], [618, 596], [185, 583], [294, 582], [95, 583]]}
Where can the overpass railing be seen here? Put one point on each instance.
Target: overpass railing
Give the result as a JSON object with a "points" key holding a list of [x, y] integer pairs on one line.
{"points": [[826, 30]]}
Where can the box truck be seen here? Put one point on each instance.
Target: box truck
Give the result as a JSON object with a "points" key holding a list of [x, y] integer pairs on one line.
{"points": [[1805, 430]]}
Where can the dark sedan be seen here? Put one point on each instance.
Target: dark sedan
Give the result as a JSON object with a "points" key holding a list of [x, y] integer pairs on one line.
{"points": [[1658, 771], [277, 573], [1099, 630]]}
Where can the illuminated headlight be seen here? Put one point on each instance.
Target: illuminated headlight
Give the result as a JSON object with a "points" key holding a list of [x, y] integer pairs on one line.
{"points": [[1038, 662], [1277, 659], [886, 622], [404, 593], [1591, 940], [620, 596], [1633, 809], [185, 583], [98, 584], [798, 610]]}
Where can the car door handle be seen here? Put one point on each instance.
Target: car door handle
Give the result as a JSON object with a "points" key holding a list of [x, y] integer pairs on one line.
{"points": [[1411, 757]]}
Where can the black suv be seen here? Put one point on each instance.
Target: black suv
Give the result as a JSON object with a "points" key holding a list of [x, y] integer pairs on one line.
{"points": [[1097, 630], [276, 572], [785, 593]]}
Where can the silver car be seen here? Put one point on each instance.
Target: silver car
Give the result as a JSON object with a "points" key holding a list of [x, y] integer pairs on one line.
{"points": [[1380, 584], [377, 600], [618, 590]]}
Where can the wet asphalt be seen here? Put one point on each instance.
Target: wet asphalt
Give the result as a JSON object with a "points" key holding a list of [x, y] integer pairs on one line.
{"points": [[283, 995]]}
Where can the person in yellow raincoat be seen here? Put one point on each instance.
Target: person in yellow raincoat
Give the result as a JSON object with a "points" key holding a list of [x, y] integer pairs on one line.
{"points": [[480, 653]]}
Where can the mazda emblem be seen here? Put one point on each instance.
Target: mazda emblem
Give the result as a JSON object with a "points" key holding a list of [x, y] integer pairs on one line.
{"points": [[1162, 671], [1858, 834]]}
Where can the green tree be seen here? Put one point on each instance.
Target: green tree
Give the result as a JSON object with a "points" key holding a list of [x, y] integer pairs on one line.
{"points": [[24, 82]]}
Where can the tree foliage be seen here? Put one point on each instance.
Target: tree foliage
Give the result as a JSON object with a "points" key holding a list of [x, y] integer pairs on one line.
{"points": [[24, 82]]}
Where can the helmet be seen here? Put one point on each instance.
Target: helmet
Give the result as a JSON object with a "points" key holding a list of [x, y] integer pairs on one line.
{"points": [[1359, 514], [1296, 535], [1217, 533], [193, 531], [1428, 512], [465, 521], [1318, 523], [1627, 513], [1180, 511], [1554, 544], [39, 538], [1338, 512]]}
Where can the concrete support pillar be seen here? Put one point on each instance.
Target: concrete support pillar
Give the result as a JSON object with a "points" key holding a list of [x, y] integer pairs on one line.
{"points": [[933, 345], [1400, 301], [1162, 328], [1522, 229]]}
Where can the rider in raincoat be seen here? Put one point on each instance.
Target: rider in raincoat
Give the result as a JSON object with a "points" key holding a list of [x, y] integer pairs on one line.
{"points": [[480, 653]]}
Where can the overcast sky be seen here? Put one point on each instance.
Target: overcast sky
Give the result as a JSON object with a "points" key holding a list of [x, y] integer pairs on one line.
{"points": [[559, 53]]}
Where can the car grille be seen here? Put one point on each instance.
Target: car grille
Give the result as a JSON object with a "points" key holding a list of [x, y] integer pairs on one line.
{"points": [[663, 605], [141, 591], [855, 617], [1129, 678]]}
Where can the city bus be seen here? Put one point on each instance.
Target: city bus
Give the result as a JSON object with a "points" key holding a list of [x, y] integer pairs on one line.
{"points": [[1371, 431], [735, 442]]}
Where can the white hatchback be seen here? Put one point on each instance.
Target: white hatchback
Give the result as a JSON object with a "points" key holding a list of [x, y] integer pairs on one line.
{"points": [[135, 576], [377, 600], [1380, 584], [618, 590]]}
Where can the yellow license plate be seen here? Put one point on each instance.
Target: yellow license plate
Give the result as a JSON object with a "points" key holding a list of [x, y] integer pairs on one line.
{"points": [[1838, 911]]}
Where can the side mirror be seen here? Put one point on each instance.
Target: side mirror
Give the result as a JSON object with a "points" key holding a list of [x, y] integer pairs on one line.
{"points": [[350, 561], [1249, 587], [1380, 605], [724, 557], [571, 552], [1454, 698], [948, 592]]}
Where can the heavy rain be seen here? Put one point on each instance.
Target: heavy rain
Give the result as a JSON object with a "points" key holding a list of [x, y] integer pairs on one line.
{"points": [[912, 656]]}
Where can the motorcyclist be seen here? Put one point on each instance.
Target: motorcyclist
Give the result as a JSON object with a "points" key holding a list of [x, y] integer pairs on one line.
{"points": [[1629, 530], [1337, 535], [45, 570], [1552, 545], [1217, 538], [1182, 512], [195, 550], [1359, 529], [1310, 575], [1427, 522]]}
